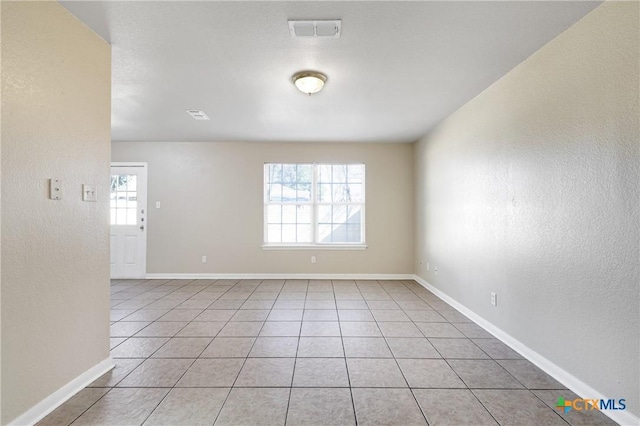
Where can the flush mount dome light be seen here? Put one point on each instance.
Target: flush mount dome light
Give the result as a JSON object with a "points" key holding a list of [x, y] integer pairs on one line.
{"points": [[309, 81]]}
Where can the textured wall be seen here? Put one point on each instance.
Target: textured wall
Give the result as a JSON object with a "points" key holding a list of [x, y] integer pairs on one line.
{"points": [[55, 267], [531, 191], [211, 196]]}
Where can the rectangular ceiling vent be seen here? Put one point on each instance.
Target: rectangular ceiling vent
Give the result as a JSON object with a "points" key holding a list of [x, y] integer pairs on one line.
{"points": [[326, 28], [197, 114]]}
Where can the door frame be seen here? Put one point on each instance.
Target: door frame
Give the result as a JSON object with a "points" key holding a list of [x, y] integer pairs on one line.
{"points": [[143, 205]]}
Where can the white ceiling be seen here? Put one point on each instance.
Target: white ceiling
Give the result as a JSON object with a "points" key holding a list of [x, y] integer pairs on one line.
{"points": [[398, 68]]}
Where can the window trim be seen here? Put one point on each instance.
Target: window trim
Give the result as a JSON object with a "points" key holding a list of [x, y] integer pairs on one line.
{"points": [[315, 205]]}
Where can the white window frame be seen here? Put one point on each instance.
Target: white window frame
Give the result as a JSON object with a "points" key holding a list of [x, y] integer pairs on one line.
{"points": [[315, 204]]}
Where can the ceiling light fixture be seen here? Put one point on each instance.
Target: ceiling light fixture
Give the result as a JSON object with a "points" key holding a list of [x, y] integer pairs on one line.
{"points": [[309, 81]]}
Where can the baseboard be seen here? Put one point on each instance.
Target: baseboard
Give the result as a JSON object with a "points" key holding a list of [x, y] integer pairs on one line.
{"points": [[574, 384], [230, 276], [53, 401]]}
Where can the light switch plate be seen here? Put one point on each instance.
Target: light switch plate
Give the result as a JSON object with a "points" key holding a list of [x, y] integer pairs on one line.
{"points": [[55, 189], [89, 193]]}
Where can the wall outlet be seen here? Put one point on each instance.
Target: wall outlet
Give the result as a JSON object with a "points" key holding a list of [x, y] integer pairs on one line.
{"points": [[494, 299], [204, 259], [313, 259], [435, 270], [157, 204]]}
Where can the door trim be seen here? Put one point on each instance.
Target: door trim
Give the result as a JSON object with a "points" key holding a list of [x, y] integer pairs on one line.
{"points": [[145, 167]]}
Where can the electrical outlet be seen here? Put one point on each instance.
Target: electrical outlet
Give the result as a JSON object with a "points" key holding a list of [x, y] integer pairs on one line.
{"points": [[435, 270], [55, 189], [494, 299], [313, 259], [157, 204], [204, 259]]}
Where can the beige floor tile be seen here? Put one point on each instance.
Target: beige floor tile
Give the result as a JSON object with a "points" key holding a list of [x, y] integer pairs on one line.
{"points": [[146, 315], [386, 407], [250, 315], [320, 315], [257, 304], [439, 329], [228, 347], [473, 330], [573, 417], [320, 328], [483, 374], [122, 407], [127, 329], [274, 347], [194, 304], [216, 315], [390, 315], [189, 407], [452, 407], [429, 373], [352, 304], [320, 347], [288, 304], [359, 329], [458, 348], [320, 407], [241, 329], [518, 407], [355, 315], [207, 373], [382, 304], [399, 329], [375, 373], [202, 329], [74, 407], [366, 347], [425, 316], [226, 304], [496, 349], [412, 347], [320, 304], [247, 406], [156, 373], [138, 347], [285, 315], [123, 367], [529, 375], [281, 329], [320, 372], [266, 372], [183, 347], [181, 315], [161, 329]]}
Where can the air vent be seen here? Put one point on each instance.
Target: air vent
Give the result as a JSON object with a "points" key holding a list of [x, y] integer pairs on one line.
{"points": [[327, 28], [197, 114]]}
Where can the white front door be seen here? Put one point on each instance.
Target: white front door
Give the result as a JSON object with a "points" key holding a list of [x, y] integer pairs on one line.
{"points": [[128, 220]]}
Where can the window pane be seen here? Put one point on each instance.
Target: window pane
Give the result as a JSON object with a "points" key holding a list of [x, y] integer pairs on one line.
{"points": [[274, 233], [275, 192], [274, 214], [355, 173], [121, 217], [289, 173], [274, 173], [304, 234], [339, 214], [339, 173], [324, 233], [288, 233], [305, 173], [289, 214], [355, 192], [304, 214], [354, 215], [304, 192], [324, 193], [132, 183], [324, 214], [131, 217], [324, 173], [121, 200]]}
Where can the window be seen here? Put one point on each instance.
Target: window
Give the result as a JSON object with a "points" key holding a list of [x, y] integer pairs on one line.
{"points": [[314, 204], [124, 199]]}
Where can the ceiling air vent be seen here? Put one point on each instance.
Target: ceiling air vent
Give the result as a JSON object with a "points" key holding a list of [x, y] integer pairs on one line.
{"points": [[327, 28], [197, 114]]}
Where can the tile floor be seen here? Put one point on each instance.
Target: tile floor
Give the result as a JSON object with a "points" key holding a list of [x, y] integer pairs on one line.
{"points": [[307, 352]]}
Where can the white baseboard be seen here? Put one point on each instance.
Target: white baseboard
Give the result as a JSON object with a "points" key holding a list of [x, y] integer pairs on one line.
{"points": [[53, 401], [231, 276], [574, 384]]}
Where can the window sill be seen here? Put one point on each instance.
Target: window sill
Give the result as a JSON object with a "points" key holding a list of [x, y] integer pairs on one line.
{"points": [[314, 247]]}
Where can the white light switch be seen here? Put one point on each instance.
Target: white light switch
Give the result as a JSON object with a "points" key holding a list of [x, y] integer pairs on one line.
{"points": [[157, 204], [55, 189], [89, 193]]}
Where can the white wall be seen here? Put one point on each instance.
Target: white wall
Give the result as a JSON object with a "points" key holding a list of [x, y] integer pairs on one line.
{"points": [[531, 191], [211, 198], [55, 270]]}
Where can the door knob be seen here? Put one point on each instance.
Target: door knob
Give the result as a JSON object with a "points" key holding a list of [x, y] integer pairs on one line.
{"points": [[142, 227]]}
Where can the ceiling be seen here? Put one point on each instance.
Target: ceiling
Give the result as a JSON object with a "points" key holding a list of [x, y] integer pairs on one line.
{"points": [[397, 69]]}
